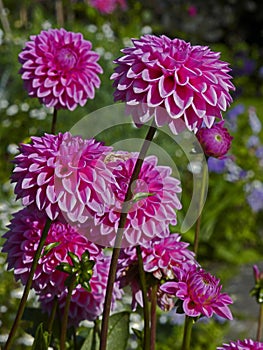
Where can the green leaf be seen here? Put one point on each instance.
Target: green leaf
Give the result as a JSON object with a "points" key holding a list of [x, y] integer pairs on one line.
{"points": [[92, 341], [49, 247], [41, 340], [74, 258], [118, 331]]}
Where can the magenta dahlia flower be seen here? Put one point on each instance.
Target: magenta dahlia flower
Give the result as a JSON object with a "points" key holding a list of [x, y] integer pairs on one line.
{"points": [[60, 69], [172, 81], [63, 173], [152, 208], [200, 293], [163, 258], [22, 241], [247, 344], [108, 6], [85, 305], [215, 141]]}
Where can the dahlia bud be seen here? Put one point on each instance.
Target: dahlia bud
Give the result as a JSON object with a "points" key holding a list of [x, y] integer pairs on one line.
{"points": [[215, 141], [257, 291]]}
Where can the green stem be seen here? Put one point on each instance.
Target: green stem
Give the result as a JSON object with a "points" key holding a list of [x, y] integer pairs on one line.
{"points": [[147, 334], [28, 285], [198, 222], [54, 121], [260, 322], [116, 249], [153, 316], [64, 325], [188, 324], [52, 315]]}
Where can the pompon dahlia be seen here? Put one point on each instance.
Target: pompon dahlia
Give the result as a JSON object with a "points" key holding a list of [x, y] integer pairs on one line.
{"points": [[162, 258], [172, 81], [215, 141], [59, 68], [200, 293], [62, 173], [86, 305], [247, 344], [152, 208], [22, 241]]}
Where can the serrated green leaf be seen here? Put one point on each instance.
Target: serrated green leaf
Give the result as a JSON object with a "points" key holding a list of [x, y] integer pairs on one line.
{"points": [[41, 340], [118, 331]]}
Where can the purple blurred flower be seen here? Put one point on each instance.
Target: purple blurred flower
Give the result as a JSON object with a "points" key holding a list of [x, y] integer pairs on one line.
{"points": [[254, 122], [253, 141], [60, 69], [200, 293], [255, 198], [232, 114], [247, 344], [216, 165], [108, 6], [215, 141], [176, 83]]}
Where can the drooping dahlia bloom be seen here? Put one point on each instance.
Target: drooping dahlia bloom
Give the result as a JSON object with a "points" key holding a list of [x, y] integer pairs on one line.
{"points": [[85, 305], [162, 258], [247, 344], [257, 290], [108, 6], [200, 293], [62, 172], [172, 81], [152, 208], [22, 241], [215, 141], [60, 69]]}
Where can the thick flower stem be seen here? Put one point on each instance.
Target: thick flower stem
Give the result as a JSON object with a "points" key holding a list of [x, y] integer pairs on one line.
{"points": [[64, 325], [146, 315], [153, 316], [28, 285], [188, 324], [54, 121], [260, 322], [116, 249], [198, 222]]}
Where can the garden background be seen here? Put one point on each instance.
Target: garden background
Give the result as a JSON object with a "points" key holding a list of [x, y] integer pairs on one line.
{"points": [[231, 239]]}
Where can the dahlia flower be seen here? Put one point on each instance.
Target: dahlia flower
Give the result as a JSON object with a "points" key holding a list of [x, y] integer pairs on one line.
{"points": [[60, 69], [200, 293], [247, 344], [108, 6], [62, 173], [22, 241], [215, 141], [163, 258], [172, 81], [85, 305], [152, 208]]}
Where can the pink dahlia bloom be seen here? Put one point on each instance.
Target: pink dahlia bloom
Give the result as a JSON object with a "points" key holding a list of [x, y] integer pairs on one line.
{"points": [[172, 81], [22, 241], [215, 141], [152, 208], [162, 257], [200, 293], [86, 305], [60, 69], [108, 6], [62, 173], [247, 344]]}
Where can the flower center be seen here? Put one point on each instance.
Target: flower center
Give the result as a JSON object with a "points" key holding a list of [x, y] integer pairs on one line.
{"points": [[66, 58], [218, 138]]}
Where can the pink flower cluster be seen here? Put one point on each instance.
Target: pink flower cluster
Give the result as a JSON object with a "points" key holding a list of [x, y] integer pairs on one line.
{"points": [[60, 69], [108, 6], [49, 283], [247, 344], [173, 82]]}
